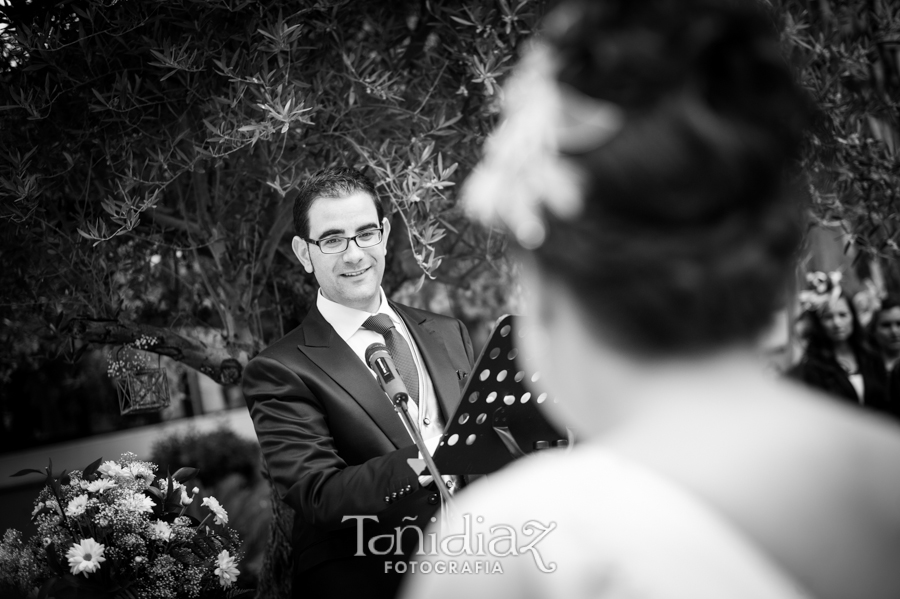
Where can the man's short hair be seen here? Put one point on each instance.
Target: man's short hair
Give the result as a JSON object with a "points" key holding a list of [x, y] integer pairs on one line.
{"points": [[336, 182]]}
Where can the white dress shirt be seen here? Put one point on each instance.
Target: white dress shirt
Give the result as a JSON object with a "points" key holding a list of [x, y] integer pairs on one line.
{"points": [[347, 322]]}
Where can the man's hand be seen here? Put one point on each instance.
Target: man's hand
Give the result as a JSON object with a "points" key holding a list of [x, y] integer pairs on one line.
{"points": [[418, 465]]}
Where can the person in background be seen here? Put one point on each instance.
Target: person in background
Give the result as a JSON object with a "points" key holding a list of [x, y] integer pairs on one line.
{"points": [[838, 358], [642, 172], [885, 331]]}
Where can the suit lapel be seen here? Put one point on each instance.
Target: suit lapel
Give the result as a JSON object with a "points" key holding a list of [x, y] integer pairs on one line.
{"points": [[328, 351], [428, 339]]}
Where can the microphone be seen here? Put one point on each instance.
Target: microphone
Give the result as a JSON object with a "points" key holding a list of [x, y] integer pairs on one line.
{"points": [[379, 359]]}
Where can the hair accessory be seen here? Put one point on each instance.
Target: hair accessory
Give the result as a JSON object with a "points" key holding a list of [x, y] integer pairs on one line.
{"points": [[867, 301], [822, 289], [522, 170]]}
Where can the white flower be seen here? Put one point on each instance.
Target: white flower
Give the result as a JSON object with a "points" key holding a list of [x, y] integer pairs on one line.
{"points": [[178, 490], [46, 541], [160, 530], [101, 485], [136, 502], [85, 556], [37, 508], [227, 572], [522, 171], [112, 469], [213, 504], [51, 504], [188, 499], [77, 506], [140, 471]]}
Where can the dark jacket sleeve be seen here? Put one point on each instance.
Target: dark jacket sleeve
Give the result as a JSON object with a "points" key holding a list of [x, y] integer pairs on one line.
{"points": [[292, 425]]}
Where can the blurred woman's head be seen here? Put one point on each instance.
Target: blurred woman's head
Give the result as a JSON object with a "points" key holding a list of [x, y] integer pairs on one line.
{"points": [[885, 326], [642, 164], [832, 323], [838, 320]]}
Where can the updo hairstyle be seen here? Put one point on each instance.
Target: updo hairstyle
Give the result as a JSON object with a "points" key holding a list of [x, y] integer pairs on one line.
{"points": [[687, 230]]}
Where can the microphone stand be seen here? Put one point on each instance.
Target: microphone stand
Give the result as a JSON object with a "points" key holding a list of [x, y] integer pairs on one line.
{"points": [[400, 400], [379, 360]]}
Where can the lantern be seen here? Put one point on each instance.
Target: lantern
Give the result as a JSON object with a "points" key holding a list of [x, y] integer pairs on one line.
{"points": [[142, 387]]}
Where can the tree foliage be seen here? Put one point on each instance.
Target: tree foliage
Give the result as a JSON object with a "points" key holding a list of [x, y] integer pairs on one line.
{"points": [[848, 57], [151, 151]]}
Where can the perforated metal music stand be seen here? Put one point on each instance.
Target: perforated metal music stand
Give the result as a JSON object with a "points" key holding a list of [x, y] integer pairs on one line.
{"points": [[498, 419]]}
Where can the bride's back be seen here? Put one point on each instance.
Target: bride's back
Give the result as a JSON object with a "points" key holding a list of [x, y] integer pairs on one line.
{"points": [[813, 482], [643, 170]]}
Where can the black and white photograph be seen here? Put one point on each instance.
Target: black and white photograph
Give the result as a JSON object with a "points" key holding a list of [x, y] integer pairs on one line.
{"points": [[431, 299]]}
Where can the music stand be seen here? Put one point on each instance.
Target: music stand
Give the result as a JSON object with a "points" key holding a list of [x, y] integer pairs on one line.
{"points": [[498, 419]]}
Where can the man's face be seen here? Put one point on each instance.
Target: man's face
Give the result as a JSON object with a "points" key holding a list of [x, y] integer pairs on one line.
{"points": [[353, 277], [887, 331]]}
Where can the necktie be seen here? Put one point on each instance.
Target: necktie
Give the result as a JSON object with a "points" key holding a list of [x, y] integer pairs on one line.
{"points": [[399, 350]]}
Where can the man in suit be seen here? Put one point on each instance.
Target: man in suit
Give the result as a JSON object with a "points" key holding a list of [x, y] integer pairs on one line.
{"points": [[333, 444]]}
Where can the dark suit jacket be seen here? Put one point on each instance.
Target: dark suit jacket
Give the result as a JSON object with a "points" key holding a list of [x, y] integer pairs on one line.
{"points": [[823, 372], [893, 406], [332, 442]]}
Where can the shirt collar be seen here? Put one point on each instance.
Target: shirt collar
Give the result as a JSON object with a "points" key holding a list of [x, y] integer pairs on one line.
{"points": [[346, 321]]}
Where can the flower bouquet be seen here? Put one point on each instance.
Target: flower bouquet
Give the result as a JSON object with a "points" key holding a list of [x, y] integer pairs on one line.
{"points": [[116, 530]]}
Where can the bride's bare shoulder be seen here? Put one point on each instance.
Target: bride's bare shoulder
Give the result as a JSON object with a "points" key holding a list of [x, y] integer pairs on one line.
{"points": [[814, 481]]}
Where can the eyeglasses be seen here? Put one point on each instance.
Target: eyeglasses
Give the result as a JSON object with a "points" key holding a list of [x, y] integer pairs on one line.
{"points": [[337, 244]]}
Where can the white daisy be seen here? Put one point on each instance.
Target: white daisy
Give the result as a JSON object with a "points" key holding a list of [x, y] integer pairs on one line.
{"points": [[77, 506], [85, 556], [227, 572], [213, 504]]}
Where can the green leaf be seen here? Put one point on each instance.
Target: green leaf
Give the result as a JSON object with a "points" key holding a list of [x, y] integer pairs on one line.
{"points": [[91, 468], [207, 546], [183, 475], [76, 582], [25, 471], [185, 556], [46, 588], [54, 561]]}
